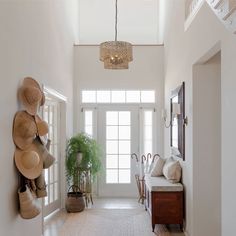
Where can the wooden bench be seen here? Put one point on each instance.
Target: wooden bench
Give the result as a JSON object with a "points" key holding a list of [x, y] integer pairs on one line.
{"points": [[164, 201]]}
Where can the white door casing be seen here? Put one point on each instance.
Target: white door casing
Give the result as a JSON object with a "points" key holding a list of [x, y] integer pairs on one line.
{"points": [[57, 133]]}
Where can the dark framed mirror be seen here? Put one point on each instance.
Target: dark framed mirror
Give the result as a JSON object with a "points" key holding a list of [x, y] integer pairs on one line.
{"points": [[177, 128]]}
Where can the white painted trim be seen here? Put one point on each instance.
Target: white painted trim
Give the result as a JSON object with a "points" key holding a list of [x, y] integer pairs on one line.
{"points": [[54, 93], [209, 53], [135, 45], [62, 100], [186, 233], [62, 151], [193, 14], [97, 105]]}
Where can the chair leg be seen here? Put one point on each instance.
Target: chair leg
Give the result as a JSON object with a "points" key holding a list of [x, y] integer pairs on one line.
{"points": [[86, 201], [153, 227], [91, 198]]}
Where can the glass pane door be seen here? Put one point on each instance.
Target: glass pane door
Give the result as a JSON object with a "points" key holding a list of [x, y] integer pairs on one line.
{"points": [[118, 144], [51, 114], [118, 136]]}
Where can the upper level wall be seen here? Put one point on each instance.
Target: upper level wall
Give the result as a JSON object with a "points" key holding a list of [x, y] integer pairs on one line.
{"points": [[182, 51], [36, 40], [187, 6]]}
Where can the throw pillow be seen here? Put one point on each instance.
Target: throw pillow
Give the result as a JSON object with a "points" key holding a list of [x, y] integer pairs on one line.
{"points": [[157, 169], [172, 170]]}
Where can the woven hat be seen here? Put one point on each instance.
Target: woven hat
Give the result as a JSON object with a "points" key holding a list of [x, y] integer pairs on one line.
{"points": [[28, 205], [29, 162], [31, 98], [48, 159], [29, 81], [42, 129], [24, 130], [31, 95]]}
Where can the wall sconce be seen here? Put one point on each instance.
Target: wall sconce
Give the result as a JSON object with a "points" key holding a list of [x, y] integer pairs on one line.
{"points": [[174, 114]]}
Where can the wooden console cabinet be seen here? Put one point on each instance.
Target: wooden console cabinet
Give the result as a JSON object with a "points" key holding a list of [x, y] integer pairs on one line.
{"points": [[164, 207]]}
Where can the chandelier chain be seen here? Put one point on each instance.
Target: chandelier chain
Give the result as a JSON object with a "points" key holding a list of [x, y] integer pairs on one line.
{"points": [[116, 54], [116, 23]]}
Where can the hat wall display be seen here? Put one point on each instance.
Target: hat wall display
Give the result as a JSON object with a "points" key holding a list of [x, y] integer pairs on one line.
{"points": [[29, 162], [42, 129], [31, 155], [29, 81], [24, 130]]}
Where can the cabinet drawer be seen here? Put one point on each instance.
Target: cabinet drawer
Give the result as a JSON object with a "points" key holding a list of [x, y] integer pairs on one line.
{"points": [[171, 196], [167, 207]]}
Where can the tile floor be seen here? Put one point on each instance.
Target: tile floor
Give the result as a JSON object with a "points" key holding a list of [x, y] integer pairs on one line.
{"points": [[53, 223]]}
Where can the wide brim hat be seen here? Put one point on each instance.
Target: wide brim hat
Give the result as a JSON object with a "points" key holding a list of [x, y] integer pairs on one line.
{"points": [[24, 130], [31, 95], [29, 162], [31, 98], [42, 129], [29, 81]]}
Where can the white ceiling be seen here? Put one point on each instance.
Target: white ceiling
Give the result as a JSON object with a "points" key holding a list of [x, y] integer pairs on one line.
{"points": [[138, 21]]}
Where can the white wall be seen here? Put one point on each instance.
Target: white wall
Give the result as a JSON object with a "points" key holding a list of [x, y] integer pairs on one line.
{"points": [[182, 50], [145, 72], [36, 40], [207, 147], [138, 22]]}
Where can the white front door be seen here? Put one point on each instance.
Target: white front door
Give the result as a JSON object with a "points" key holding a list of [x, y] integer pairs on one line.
{"points": [[118, 134]]}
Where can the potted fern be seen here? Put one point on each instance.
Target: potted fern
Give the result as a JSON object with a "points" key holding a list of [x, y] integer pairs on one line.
{"points": [[83, 154]]}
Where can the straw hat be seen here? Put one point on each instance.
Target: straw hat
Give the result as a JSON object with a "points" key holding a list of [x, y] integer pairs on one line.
{"points": [[42, 129], [29, 162], [31, 95], [24, 130], [28, 81]]}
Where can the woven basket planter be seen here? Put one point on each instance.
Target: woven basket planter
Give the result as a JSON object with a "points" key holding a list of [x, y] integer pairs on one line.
{"points": [[75, 200]]}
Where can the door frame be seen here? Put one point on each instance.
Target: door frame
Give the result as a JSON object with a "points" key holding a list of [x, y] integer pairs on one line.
{"points": [[140, 106], [62, 100]]}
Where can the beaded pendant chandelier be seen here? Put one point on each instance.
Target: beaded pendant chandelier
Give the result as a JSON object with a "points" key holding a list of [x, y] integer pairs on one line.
{"points": [[116, 54]]}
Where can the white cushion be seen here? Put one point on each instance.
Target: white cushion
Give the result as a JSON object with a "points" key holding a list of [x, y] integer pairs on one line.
{"points": [[161, 184], [172, 170], [157, 169]]}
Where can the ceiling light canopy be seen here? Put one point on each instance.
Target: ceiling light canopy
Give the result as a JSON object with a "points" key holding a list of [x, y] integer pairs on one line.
{"points": [[116, 54]]}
